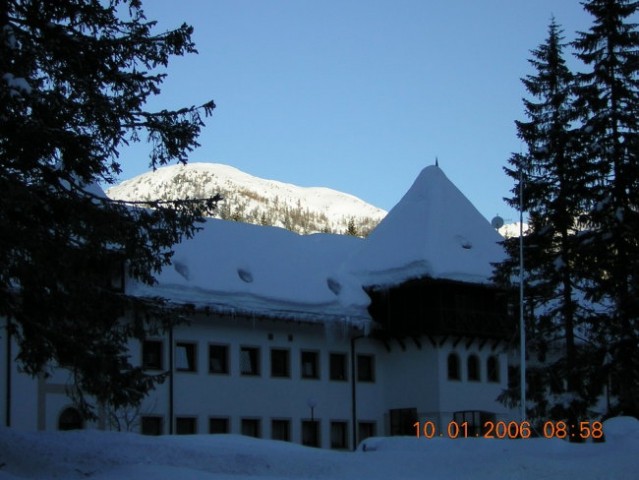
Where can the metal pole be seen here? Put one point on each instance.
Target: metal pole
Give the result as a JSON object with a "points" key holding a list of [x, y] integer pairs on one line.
{"points": [[522, 329]]}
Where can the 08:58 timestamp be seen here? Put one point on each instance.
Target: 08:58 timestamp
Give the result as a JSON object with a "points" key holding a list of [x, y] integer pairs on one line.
{"points": [[551, 429]]}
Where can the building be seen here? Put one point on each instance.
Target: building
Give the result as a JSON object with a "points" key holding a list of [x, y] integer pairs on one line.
{"points": [[322, 340]]}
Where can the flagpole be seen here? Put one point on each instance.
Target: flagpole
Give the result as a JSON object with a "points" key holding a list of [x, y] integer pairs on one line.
{"points": [[522, 329]]}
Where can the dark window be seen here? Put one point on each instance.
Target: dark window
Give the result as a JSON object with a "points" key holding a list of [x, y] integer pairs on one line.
{"points": [[453, 367], [152, 355], [365, 368], [281, 430], [473, 368], [151, 425], [218, 425], [310, 433], [185, 357], [492, 366], [251, 427], [116, 275], [338, 366], [219, 359], [339, 435], [280, 364], [365, 430], [310, 365], [250, 361], [70, 419], [185, 425], [402, 421], [476, 421]]}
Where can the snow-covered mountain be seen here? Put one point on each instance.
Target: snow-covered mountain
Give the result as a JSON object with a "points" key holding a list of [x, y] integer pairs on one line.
{"points": [[254, 200]]}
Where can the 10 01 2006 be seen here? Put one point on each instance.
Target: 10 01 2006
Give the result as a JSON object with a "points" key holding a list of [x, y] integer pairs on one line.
{"points": [[490, 429]]}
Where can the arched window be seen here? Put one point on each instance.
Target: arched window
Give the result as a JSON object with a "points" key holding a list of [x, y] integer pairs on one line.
{"points": [[70, 419], [473, 368], [453, 367], [492, 365]]}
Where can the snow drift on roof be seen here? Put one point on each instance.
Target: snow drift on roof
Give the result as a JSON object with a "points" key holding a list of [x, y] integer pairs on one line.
{"points": [[434, 231], [251, 269]]}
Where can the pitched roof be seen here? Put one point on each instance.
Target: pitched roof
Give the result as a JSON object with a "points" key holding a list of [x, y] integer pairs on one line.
{"points": [[434, 231]]}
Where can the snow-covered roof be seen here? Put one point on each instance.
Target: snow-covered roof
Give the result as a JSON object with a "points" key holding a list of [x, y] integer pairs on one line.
{"points": [[434, 231], [235, 267]]}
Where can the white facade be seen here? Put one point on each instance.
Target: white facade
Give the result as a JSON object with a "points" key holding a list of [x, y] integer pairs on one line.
{"points": [[372, 387]]}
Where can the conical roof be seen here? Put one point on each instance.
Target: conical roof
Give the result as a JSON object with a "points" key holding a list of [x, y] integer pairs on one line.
{"points": [[434, 231]]}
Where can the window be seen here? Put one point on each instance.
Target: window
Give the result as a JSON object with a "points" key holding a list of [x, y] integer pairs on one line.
{"points": [[281, 430], [186, 425], [473, 368], [365, 368], [219, 425], [251, 427], [310, 433], [219, 359], [310, 365], [365, 430], [453, 367], [250, 360], [492, 367], [152, 355], [339, 435], [338, 366], [476, 421], [116, 275], [70, 419], [185, 357], [280, 364], [151, 425]]}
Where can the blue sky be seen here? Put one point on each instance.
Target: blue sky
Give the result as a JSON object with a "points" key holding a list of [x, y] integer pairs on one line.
{"points": [[360, 95]]}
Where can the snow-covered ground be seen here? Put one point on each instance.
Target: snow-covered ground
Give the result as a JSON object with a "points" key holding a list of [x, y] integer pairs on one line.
{"points": [[126, 456]]}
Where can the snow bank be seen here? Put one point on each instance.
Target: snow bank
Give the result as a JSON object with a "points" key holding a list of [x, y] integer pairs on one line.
{"points": [[125, 456]]}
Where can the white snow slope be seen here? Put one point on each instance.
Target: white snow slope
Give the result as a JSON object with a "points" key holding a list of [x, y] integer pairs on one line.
{"points": [[126, 456], [252, 194]]}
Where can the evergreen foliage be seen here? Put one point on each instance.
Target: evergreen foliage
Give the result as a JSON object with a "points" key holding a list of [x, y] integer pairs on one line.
{"points": [[554, 176], [608, 104], [580, 190], [74, 79]]}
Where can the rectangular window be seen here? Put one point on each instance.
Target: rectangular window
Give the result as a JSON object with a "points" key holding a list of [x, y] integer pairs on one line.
{"points": [[116, 275], [475, 419], [310, 365], [338, 366], [310, 433], [365, 430], [219, 425], [281, 430], [219, 359], [250, 360], [339, 435], [251, 427], [280, 364], [185, 357], [151, 425], [152, 355], [365, 368], [186, 425]]}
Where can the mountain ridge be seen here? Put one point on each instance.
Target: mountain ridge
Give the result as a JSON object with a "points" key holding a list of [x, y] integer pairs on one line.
{"points": [[252, 199]]}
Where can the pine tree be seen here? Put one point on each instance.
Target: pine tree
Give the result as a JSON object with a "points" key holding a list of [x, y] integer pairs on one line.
{"points": [[554, 177], [351, 229], [608, 98], [74, 79]]}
